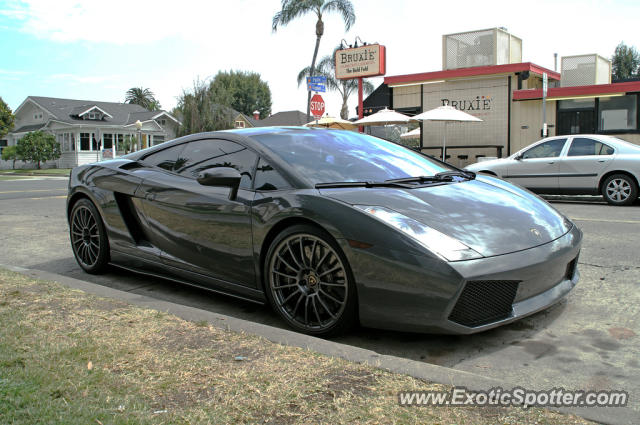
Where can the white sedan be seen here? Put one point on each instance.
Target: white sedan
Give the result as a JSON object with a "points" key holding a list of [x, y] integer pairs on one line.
{"points": [[580, 164]]}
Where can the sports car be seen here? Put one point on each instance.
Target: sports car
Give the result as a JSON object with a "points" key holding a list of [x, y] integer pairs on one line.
{"points": [[329, 227]]}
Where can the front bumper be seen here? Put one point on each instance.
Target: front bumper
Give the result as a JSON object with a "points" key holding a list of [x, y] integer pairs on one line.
{"points": [[419, 294]]}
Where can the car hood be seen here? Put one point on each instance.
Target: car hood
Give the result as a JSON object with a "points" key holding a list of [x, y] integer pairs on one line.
{"points": [[488, 215]]}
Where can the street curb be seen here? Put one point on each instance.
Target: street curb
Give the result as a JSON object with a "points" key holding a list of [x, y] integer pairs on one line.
{"points": [[421, 370], [34, 175]]}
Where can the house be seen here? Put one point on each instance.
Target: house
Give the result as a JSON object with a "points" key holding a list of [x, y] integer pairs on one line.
{"points": [[89, 130], [285, 118]]}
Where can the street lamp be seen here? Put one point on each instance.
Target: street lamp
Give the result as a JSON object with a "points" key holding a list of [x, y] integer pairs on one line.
{"points": [[139, 127]]}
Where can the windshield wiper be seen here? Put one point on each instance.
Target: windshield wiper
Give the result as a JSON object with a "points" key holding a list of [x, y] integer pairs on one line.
{"points": [[445, 176], [361, 184], [457, 173]]}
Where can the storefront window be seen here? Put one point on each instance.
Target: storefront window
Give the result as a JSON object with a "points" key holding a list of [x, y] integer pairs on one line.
{"points": [[618, 113]]}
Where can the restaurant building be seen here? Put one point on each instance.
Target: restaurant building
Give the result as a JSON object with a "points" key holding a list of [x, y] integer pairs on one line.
{"points": [[483, 75]]}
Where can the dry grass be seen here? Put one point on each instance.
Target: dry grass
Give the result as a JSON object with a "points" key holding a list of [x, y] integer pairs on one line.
{"points": [[68, 357]]}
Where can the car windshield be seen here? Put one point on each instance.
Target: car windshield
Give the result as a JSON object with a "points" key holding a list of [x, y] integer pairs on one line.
{"points": [[345, 156]]}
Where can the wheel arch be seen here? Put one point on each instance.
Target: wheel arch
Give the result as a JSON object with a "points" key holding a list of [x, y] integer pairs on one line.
{"points": [[610, 173]]}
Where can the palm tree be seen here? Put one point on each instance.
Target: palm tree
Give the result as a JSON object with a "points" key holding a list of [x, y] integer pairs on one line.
{"points": [[293, 9], [142, 97], [346, 88]]}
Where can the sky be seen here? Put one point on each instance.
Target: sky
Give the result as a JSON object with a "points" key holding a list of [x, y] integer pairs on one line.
{"points": [[98, 50]]}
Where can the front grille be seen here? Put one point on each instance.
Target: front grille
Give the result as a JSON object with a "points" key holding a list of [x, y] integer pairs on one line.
{"points": [[484, 301]]}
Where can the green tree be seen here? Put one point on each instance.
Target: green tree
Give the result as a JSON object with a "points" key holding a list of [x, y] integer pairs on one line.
{"points": [[7, 119], [142, 97], [293, 9], [326, 68], [625, 62], [243, 91], [38, 146], [10, 153], [198, 112]]}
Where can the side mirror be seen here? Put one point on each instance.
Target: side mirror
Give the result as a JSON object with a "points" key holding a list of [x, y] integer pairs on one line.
{"points": [[518, 157], [221, 176]]}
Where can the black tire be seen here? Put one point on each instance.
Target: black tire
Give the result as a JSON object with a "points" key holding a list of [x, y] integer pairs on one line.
{"points": [[309, 283], [619, 189], [88, 237]]}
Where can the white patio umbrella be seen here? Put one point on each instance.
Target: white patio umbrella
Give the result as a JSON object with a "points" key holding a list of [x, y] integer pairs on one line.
{"points": [[446, 114], [413, 134], [383, 117], [331, 122]]}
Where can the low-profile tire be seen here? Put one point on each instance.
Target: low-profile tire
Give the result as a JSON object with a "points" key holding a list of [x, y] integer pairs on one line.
{"points": [[309, 283], [88, 237], [619, 189]]}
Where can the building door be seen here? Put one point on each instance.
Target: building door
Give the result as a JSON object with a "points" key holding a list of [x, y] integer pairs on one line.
{"points": [[576, 122]]}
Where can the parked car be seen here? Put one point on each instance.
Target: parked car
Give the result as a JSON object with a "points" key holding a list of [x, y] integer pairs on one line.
{"points": [[328, 227], [573, 165]]}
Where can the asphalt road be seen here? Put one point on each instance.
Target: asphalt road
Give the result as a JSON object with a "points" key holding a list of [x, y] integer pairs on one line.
{"points": [[591, 340]]}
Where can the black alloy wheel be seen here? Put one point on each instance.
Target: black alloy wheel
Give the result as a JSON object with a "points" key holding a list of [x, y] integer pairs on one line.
{"points": [[309, 282], [619, 189], [88, 237]]}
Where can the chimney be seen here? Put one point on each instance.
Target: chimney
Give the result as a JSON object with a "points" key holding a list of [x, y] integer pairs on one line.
{"points": [[256, 115]]}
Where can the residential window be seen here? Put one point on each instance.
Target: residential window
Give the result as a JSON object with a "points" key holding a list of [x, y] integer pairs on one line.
{"points": [[107, 141], [161, 122], [618, 113], [85, 141], [3, 144], [157, 140], [239, 124]]}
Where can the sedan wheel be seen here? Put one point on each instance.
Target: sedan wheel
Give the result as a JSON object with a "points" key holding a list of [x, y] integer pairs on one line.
{"points": [[309, 282], [619, 189], [88, 237]]}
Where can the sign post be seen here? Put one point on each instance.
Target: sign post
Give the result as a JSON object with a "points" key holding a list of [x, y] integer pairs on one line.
{"points": [[545, 84], [317, 106], [368, 60]]}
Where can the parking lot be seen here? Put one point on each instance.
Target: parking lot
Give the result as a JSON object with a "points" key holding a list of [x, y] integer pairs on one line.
{"points": [[588, 341]]}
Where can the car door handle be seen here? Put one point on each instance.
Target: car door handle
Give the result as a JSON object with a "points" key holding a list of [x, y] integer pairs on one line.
{"points": [[602, 160], [552, 162]]}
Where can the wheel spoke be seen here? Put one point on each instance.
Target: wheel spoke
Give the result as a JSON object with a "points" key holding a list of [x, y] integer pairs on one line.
{"points": [[306, 310], [336, 268], [340, 285], [293, 313], [287, 264], [289, 297], [285, 286], [315, 309], [329, 296], [294, 257], [326, 254], [333, 316], [284, 274]]}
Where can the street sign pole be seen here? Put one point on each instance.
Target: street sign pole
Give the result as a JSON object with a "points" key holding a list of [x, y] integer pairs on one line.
{"points": [[545, 83], [360, 111]]}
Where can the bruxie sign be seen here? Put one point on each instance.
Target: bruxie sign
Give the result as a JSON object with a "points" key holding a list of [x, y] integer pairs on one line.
{"points": [[365, 61]]}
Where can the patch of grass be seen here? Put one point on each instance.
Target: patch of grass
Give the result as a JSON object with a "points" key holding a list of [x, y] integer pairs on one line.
{"points": [[35, 171], [72, 358]]}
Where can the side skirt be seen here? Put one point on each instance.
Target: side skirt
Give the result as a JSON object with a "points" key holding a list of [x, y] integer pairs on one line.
{"points": [[238, 291]]}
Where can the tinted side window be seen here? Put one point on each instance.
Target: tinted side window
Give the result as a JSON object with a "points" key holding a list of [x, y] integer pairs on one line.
{"points": [[202, 150], [238, 157], [168, 159], [267, 178], [549, 149], [582, 146]]}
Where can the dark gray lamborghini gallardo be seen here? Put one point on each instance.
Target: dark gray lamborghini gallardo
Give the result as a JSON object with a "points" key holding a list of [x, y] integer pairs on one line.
{"points": [[329, 227]]}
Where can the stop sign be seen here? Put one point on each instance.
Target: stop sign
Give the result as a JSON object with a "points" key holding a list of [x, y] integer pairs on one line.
{"points": [[317, 105]]}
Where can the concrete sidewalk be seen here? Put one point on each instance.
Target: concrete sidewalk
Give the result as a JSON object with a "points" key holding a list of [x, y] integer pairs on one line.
{"points": [[416, 369]]}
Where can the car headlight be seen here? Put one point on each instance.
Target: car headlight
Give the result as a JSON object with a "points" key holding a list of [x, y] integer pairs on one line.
{"points": [[437, 242]]}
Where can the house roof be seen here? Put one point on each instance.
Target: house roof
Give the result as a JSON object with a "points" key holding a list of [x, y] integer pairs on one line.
{"points": [[579, 91], [28, 128], [471, 72], [67, 110], [285, 118]]}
